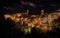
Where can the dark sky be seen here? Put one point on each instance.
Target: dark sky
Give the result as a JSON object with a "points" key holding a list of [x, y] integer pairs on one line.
{"points": [[33, 5]]}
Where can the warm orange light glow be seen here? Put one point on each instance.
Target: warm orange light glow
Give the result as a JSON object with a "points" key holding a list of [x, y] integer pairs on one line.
{"points": [[37, 22]]}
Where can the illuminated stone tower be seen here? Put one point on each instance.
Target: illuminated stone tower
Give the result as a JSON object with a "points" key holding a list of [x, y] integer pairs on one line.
{"points": [[27, 11], [42, 12]]}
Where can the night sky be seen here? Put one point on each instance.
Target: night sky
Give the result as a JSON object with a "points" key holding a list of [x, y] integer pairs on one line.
{"points": [[32, 5]]}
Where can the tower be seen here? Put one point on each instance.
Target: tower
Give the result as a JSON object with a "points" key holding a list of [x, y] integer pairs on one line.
{"points": [[42, 12]]}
